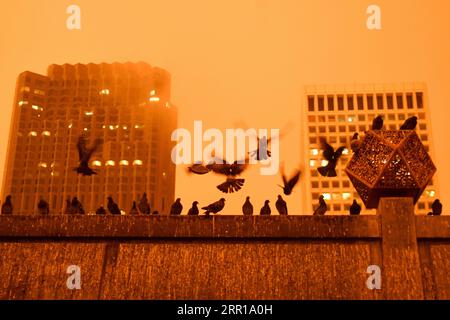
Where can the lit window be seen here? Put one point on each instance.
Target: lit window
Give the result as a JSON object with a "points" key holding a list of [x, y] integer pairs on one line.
{"points": [[431, 193], [164, 174], [336, 196], [104, 127], [154, 99], [96, 163], [111, 127], [42, 165], [152, 93], [346, 195], [125, 128], [32, 134], [315, 152], [123, 162], [89, 113], [85, 129], [39, 92], [46, 133], [70, 126], [323, 163], [27, 89], [22, 103], [167, 104], [104, 91], [345, 151], [351, 119], [35, 107], [110, 163], [327, 196], [117, 126], [138, 126], [312, 163], [137, 162]]}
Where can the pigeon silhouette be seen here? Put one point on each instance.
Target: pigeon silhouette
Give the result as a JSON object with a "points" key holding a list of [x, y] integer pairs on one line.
{"points": [[377, 123], [144, 206], [7, 207], [43, 207], [265, 210], [355, 142], [85, 154], [193, 211], [113, 208], [281, 206], [214, 207], [409, 124], [332, 157], [134, 209], [100, 211], [155, 212], [76, 206], [247, 207], [176, 208], [355, 209], [221, 167], [322, 208], [288, 185], [68, 208], [436, 208]]}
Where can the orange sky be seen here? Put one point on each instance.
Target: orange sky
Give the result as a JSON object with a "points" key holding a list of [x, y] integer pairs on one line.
{"points": [[240, 60]]}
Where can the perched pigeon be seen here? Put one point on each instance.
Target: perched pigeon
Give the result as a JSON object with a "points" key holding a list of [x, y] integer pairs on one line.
{"points": [[281, 206], [288, 185], [436, 208], [409, 124], [155, 212], [332, 157], [193, 211], [176, 208], [7, 207], [113, 207], [377, 123], [100, 211], [355, 142], [43, 207], [76, 206], [68, 209], [322, 208], [265, 210], [214, 207], [84, 154], [144, 206], [134, 209], [355, 209], [247, 208]]}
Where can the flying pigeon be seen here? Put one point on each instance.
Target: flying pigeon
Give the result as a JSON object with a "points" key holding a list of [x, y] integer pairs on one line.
{"points": [[84, 154], [247, 208], [281, 206], [332, 157], [288, 185], [214, 207], [176, 208]]}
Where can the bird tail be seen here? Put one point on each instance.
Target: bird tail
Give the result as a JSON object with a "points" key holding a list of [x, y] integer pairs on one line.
{"points": [[231, 185], [327, 171]]}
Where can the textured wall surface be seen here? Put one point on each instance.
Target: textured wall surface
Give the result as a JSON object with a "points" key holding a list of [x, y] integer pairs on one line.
{"points": [[299, 257]]}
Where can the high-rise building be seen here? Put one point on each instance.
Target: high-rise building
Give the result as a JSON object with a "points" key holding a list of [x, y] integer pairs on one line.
{"points": [[336, 112], [126, 105]]}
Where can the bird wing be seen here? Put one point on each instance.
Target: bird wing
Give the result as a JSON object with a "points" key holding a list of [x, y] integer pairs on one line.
{"points": [[328, 150], [339, 152], [81, 146], [94, 147], [294, 180]]}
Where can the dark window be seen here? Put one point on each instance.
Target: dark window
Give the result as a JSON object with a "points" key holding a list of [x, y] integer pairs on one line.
{"points": [[350, 102], [380, 101], [419, 97], [311, 103], [330, 103], [340, 103], [360, 103], [321, 103], [409, 101], [399, 101], [370, 102], [390, 101]]}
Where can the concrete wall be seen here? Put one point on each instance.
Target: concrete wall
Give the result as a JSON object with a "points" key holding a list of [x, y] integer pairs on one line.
{"points": [[227, 257]]}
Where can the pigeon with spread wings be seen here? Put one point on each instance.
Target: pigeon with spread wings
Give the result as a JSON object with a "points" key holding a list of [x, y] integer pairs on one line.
{"points": [[85, 155], [288, 185], [331, 156]]}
